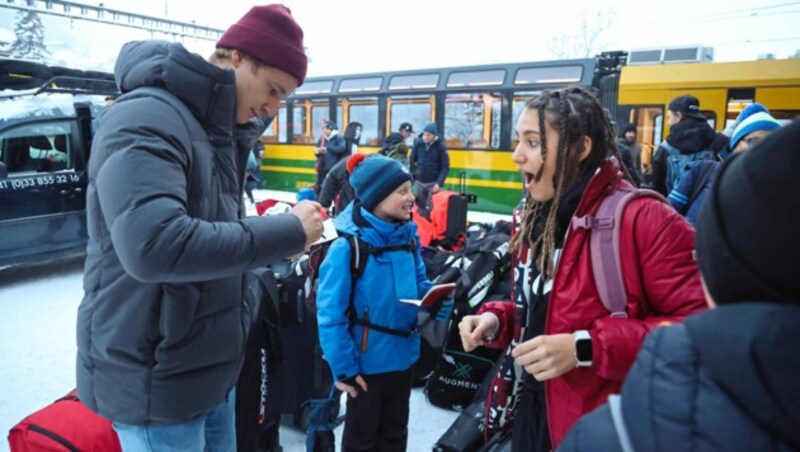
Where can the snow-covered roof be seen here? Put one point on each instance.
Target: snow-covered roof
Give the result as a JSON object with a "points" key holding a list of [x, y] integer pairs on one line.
{"points": [[45, 105]]}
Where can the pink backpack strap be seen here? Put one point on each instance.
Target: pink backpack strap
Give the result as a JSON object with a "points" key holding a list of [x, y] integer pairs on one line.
{"points": [[604, 246]]}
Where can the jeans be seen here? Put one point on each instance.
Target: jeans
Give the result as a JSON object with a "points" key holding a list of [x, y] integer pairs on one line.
{"points": [[211, 431]]}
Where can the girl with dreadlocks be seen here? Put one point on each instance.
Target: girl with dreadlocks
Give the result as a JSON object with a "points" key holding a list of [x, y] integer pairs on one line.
{"points": [[569, 162]]}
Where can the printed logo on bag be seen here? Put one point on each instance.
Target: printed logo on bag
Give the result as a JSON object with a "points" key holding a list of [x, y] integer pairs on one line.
{"points": [[459, 383], [462, 370]]}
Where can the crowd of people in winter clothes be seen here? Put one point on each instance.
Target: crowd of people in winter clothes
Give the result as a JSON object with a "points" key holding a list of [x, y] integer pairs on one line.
{"points": [[428, 164], [163, 323], [566, 357], [705, 384]]}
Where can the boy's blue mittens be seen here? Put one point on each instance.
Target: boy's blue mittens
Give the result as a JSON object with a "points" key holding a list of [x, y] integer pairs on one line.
{"points": [[445, 310]]}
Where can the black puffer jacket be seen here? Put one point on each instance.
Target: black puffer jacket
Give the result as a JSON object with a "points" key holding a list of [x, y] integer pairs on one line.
{"points": [[162, 324], [690, 136], [727, 380]]}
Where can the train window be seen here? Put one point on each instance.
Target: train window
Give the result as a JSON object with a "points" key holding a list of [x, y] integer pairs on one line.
{"points": [[298, 123], [315, 87], [365, 111], [517, 105], [556, 74], [308, 119], [658, 126], [416, 110], [785, 116], [417, 81], [495, 108], [43, 147], [711, 117], [476, 78], [276, 132], [472, 121], [360, 84], [738, 99], [649, 121], [319, 115]]}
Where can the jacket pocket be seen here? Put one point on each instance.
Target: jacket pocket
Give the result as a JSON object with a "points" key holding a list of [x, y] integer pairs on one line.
{"points": [[179, 304]]}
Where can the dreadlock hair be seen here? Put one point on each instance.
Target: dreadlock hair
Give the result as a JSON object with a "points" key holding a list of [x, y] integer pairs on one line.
{"points": [[574, 113]]}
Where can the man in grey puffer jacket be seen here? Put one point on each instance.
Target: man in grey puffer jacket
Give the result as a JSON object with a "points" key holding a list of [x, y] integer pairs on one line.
{"points": [[163, 323]]}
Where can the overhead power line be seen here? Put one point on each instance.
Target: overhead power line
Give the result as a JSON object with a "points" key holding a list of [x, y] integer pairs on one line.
{"points": [[745, 11], [753, 41], [117, 17], [685, 19]]}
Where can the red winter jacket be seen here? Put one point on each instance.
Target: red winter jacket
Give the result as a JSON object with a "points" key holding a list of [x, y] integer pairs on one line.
{"points": [[663, 286]]}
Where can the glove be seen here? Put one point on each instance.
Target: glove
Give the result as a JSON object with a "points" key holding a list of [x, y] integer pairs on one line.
{"points": [[445, 310]]}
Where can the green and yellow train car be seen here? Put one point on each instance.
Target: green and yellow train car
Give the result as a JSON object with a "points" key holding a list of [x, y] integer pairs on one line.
{"points": [[723, 90], [475, 108]]}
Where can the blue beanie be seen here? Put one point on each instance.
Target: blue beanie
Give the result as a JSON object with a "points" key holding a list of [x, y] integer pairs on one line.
{"points": [[375, 178], [430, 128], [754, 117]]}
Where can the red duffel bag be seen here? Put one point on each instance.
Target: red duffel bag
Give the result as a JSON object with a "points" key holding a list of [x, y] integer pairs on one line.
{"points": [[66, 424]]}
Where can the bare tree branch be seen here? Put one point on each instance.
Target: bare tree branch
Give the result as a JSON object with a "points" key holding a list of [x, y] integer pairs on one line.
{"points": [[584, 38]]}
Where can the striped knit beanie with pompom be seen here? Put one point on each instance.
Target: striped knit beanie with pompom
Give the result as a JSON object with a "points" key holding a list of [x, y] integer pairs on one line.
{"points": [[375, 178]]}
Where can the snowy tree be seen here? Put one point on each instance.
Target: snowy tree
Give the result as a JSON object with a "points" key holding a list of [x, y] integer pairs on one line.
{"points": [[582, 39], [29, 37]]}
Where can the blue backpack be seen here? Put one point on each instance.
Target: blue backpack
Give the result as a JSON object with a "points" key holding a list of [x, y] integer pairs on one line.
{"points": [[677, 162]]}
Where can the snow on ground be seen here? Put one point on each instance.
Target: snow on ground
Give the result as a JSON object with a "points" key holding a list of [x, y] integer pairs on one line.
{"points": [[38, 309]]}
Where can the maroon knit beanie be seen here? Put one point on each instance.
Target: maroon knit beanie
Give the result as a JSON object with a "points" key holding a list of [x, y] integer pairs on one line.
{"points": [[270, 35]]}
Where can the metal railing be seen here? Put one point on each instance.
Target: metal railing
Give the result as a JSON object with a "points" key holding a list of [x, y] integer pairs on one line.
{"points": [[104, 15]]}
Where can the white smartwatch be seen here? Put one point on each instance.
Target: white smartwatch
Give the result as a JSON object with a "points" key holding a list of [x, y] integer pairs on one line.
{"points": [[583, 348]]}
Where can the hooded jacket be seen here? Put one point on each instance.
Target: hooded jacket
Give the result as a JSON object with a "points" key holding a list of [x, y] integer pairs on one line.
{"points": [[662, 284], [162, 325], [726, 380], [385, 280], [690, 136]]}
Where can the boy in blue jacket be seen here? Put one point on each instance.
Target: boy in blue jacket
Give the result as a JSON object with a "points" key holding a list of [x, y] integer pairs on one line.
{"points": [[370, 341]]}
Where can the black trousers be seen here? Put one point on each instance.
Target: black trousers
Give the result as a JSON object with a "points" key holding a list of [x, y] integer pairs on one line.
{"points": [[377, 420], [530, 432]]}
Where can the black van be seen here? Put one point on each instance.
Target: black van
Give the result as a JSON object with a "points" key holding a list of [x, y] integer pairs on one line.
{"points": [[47, 118]]}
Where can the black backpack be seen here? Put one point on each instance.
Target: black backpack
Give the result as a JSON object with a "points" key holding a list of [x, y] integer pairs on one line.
{"points": [[458, 374], [360, 251], [257, 416], [441, 267]]}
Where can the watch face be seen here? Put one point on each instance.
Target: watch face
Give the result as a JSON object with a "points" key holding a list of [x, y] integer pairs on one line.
{"points": [[583, 349]]}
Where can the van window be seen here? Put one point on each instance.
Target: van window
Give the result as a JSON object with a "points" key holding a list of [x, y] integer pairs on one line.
{"points": [[36, 148]]}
